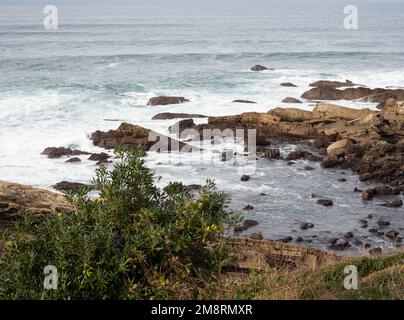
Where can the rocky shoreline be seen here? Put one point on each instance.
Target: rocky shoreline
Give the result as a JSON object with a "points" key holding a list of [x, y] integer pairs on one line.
{"points": [[368, 142]]}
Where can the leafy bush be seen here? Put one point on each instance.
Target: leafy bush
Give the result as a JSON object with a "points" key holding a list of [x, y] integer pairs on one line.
{"points": [[135, 241]]}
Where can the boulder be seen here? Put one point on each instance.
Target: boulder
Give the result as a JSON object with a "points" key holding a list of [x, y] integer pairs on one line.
{"points": [[58, 152], [66, 186], [291, 100], [246, 224], [256, 235], [245, 178], [99, 157], [259, 67], [302, 154], [291, 114], [169, 116], [392, 234], [340, 147], [181, 126], [306, 225], [165, 100], [73, 160], [325, 202]]}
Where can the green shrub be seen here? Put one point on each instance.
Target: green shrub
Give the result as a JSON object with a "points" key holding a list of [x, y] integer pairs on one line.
{"points": [[135, 241]]}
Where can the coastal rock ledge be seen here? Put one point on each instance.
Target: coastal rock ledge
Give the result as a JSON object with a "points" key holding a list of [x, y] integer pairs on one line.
{"points": [[248, 254]]}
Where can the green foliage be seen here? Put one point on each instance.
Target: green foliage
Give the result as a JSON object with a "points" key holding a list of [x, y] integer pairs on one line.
{"points": [[135, 241]]}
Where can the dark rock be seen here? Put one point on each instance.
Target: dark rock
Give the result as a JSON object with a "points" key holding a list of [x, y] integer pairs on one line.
{"points": [[245, 178], [329, 161], [57, 152], [367, 195], [302, 154], [325, 202], [299, 239], [348, 235], [285, 240], [248, 207], [259, 67], [340, 245], [291, 100], [73, 160], [257, 235], [193, 188], [100, 157], [383, 223], [342, 180], [309, 168], [306, 225], [288, 84], [243, 101], [373, 230], [164, 100], [392, 234], [66, 186], [245, 225], [370, 216], [169, 116]]}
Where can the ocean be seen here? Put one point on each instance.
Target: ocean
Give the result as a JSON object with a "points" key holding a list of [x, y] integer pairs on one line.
{"points": [[105, 61]]}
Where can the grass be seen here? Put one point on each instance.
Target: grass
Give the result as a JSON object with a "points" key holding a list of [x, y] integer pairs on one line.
{"points": [[379, 278]]}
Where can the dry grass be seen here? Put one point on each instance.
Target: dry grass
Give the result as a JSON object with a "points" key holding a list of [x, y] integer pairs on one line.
{"points": [[380, 278]]}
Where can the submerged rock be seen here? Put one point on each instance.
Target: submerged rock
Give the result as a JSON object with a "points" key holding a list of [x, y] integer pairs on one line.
{"points": [[245, 178]]}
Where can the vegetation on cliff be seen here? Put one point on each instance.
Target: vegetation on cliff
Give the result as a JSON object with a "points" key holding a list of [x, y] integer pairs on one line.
{"points": [[134, 242]]}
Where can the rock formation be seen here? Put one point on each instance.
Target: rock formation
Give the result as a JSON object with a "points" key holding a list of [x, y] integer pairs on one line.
{"points": [[164, 100]]}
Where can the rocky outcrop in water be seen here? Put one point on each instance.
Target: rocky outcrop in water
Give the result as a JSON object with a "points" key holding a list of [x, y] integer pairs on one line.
{"points": [[130, 135], [259, 67], [58, 152], [164, 100], [360, 94], [332, 84], [169, 116]]}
